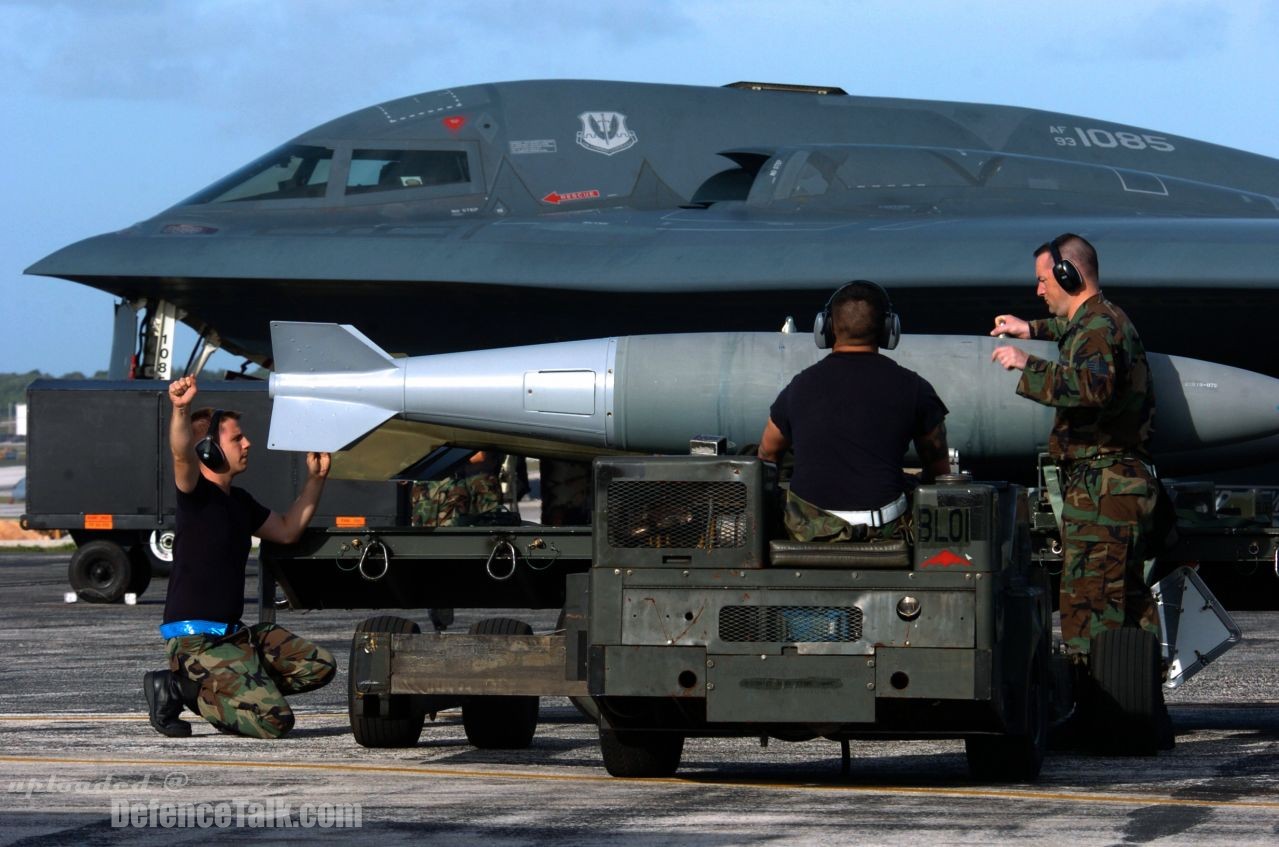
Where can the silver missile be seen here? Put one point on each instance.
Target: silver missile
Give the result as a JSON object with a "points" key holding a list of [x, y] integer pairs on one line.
{"points": [[650, 393]]}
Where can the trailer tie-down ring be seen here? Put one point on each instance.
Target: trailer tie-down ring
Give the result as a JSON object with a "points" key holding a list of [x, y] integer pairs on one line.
{"points": [[504, 545], [364, 557], [504, 549]]}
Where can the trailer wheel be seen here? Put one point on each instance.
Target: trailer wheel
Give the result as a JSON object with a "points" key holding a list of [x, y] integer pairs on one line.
{"points": [[641, 754], [100, 572], [141, 576], [399, 718], [1125, 691], [1017, 756], [500, 722]]}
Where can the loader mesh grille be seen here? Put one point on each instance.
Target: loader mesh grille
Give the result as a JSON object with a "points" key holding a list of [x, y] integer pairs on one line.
{"points": [[790, 623], [678, 514]]}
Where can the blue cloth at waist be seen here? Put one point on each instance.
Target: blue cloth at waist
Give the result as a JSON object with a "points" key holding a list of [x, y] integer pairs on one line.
{"points": [[177, 629]]}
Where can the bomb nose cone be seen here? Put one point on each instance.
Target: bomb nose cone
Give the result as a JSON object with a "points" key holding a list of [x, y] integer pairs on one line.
{"points": [[1201, 404]]}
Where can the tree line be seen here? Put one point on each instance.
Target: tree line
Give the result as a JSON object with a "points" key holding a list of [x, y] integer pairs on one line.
{"points": [[13, 386]]}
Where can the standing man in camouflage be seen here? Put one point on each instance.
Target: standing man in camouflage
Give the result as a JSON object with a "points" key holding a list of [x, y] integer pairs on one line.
{"points": [[233, 676], [473, 489], [850, 418], [1105, 406]]}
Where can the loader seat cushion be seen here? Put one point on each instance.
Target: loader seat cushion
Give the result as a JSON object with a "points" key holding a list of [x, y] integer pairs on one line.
{"points": [[852, 555]]}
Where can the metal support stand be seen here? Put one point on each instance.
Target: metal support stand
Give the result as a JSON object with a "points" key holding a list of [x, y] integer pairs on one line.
{"points": [[511, 476], [209, 344]]}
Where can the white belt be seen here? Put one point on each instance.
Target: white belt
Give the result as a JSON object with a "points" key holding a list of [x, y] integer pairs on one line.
{"points": [[874, 517]]}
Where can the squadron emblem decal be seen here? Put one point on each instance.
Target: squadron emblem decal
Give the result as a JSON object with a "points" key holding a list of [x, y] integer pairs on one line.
{"points": [[605, 132]]}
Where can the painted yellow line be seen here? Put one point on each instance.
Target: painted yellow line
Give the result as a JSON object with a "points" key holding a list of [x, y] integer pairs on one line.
{"points": [[927, 791], [69, 718], [97, 717]]}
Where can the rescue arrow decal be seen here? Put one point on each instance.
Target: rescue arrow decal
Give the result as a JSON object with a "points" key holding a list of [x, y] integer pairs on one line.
{"points": [[570, 196]]}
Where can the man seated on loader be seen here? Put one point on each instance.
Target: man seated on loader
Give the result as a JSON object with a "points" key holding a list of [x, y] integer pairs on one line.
{"points": [[849, 419]]}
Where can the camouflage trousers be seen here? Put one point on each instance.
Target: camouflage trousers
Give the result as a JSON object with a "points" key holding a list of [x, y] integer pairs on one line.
{"points": [[806, 522], [442, 502], [1107, 505], [243, 677]]}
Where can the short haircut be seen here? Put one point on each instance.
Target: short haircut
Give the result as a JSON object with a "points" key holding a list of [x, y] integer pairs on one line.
{"points": [[204, 417], [1078, 251], [857, 312]]}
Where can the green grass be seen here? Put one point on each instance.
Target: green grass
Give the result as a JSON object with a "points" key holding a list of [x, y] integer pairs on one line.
{"points": [[66, 547]]}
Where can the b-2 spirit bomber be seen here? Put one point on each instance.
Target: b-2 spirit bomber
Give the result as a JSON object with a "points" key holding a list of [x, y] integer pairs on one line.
{"points": [[529, 212]]}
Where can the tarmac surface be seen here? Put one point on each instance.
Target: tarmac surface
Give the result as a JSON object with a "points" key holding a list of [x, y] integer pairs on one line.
{"points": [[78, 755]]}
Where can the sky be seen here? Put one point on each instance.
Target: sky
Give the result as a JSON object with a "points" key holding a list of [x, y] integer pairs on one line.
{"points": [[113, 110]]}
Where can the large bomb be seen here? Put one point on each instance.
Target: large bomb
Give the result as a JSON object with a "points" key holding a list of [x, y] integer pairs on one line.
{"points": [[650, 393]]}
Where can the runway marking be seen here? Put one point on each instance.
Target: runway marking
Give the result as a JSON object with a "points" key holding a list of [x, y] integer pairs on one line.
{"points": [[98, 717], [962, 793]]}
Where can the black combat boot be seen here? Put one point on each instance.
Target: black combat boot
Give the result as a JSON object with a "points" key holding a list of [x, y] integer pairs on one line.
{"points": [[1163, 724], [164, 702], [190, 691], [1072, 732]]}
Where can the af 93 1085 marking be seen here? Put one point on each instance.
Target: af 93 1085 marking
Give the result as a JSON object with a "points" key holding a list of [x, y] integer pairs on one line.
{"points": [[1078, 136]]}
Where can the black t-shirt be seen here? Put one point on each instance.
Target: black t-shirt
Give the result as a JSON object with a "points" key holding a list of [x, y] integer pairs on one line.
{"points": [[850, 419], [214, 534]]}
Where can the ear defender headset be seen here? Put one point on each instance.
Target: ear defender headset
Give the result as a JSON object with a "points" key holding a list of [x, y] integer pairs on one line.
{"points": [[207, 448], [889, 333], [1064, 270]]}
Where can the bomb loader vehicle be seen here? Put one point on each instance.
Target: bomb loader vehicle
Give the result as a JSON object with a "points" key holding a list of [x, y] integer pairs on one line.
{"points": [[684, 615]]}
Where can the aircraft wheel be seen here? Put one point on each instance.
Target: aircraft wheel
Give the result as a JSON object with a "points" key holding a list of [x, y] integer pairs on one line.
{"points": [[100, 572], [1125, 674], [158, 547], [500, 722], [641, 754], [1017, 756], [393, 720]]}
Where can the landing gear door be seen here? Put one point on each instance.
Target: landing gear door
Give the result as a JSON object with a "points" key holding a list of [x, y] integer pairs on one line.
{"points": [[1196, 628]]}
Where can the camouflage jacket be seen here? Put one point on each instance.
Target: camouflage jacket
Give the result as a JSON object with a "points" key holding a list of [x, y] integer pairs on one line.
{"points": [[1100, 386]]}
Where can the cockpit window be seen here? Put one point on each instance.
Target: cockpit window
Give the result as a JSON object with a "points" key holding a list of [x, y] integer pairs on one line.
{"points": [[292, 171], [391, 170]]}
